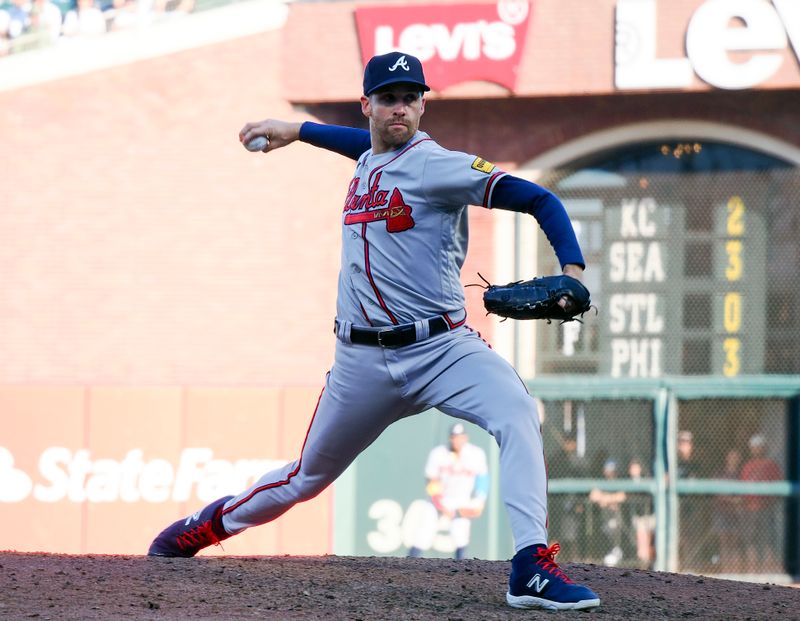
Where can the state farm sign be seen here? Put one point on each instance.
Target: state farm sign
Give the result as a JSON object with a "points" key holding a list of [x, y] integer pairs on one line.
{"points": [[74, 475], [731, 44], [456, 42]]}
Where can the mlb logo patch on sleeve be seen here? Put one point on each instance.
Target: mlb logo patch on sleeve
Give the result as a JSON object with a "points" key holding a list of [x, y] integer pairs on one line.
{"points": [[482, 165]]}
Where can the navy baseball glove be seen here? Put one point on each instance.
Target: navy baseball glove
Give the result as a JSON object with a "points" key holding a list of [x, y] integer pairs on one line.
{"points": [[538, 299]]}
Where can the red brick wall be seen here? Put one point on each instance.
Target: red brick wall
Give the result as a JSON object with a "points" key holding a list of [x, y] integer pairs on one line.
{"points": [[140, 243], [514, 131]]}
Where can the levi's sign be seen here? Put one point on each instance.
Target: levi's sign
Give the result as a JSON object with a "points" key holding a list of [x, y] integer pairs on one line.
{"points": [[456, 42], [731, 44]]}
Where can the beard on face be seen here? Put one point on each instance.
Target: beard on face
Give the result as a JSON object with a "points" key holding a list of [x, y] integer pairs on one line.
{"points": [[393, 135]]}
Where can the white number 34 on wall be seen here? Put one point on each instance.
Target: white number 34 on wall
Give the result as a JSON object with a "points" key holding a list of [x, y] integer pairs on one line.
{"points": [[395, 528]]}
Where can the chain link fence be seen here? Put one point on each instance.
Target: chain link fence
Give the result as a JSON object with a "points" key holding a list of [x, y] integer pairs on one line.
{"points": [[734, 440], [604, 444], [702, 485]]}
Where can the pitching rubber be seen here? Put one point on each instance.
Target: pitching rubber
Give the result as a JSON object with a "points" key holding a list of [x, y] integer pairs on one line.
{"points": [[528, 601]]}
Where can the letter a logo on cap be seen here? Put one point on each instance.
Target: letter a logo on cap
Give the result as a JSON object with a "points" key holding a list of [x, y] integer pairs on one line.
{"points": [[401, 62]]}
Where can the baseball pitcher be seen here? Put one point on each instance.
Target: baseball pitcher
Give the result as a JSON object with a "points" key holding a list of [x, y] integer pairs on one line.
{"points": [[403, 342]]}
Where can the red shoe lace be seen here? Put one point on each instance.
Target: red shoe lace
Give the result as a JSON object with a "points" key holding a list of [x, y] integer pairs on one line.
{"points": [[198, 537], [546, 558]]}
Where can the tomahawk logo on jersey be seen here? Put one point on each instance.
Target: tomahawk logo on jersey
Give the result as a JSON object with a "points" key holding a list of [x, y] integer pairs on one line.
{"points": [[376, 208]]}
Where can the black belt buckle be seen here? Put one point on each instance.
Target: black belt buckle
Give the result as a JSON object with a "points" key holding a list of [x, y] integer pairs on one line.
{"points": [[388, 332], [380, 341], [398, 336]]}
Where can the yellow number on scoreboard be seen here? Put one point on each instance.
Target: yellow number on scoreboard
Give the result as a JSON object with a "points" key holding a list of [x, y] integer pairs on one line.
{"points": [[733, 271], [732, 312], [732, 365], [735, 216]]}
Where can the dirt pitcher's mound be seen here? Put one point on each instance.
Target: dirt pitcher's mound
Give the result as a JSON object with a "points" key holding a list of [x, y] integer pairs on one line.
{"points": [[47, 586]]}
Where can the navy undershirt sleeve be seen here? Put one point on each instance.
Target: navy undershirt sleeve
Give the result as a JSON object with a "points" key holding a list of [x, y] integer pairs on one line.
{"points": [[348, 141], [515, 194]]}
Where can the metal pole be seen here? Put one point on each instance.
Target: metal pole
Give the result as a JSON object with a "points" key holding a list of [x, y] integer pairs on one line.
{"points": [[660, 501], [672, 526]]}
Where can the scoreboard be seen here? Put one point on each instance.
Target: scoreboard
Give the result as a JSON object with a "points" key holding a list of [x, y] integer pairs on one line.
{"points": [[681, 301]]}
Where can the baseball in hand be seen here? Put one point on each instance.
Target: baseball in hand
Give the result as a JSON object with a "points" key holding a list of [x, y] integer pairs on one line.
{"points": [[257, 144]]}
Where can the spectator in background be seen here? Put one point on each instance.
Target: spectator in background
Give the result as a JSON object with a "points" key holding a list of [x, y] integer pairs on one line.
{"points": [[458, 485], [609, 507], [129, 14], [5, 44], [185, 6], [687, 460], [65, 6], [759, 518], [14, 21], [568, 511], [46, 22], [639, 509], [726, 518], [173, 7], [568, 463], [689, 515], [86, 19]]}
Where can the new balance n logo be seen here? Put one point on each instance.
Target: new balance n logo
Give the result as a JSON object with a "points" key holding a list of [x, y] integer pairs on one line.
{"points": [[537, 583], [192, 518]]}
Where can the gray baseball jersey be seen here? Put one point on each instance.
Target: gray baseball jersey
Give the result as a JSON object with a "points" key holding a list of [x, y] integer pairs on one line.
{"points": [[404, 237]]}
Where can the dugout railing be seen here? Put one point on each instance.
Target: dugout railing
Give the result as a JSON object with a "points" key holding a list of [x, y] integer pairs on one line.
{"points": [[669, 492]]}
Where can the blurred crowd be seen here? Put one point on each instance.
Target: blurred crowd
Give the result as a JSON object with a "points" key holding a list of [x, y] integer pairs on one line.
{"points": [[31, 24], [720, 533]]}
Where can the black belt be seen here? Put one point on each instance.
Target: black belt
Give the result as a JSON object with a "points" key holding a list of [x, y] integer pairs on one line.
{"points": [[395, 336]]}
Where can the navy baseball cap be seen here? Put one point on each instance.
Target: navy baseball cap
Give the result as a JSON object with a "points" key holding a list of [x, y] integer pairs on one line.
{"points": [[393, 68]]}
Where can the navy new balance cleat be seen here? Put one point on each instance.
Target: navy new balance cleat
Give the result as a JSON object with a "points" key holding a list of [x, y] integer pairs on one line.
{"points": [[537, 582], [188, 536]]}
